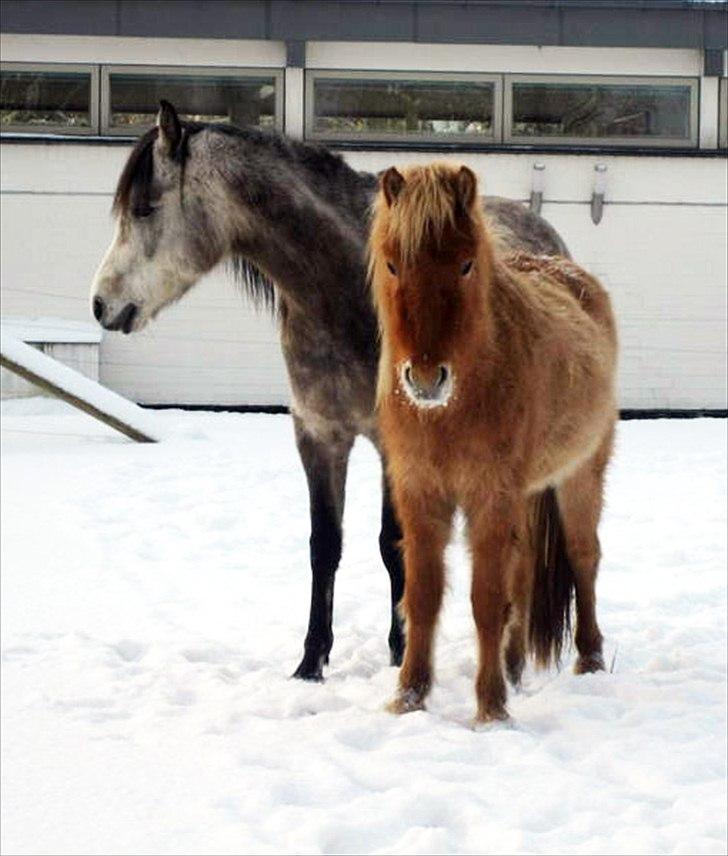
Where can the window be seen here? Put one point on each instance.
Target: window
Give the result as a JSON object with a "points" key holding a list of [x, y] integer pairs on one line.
{"points": [[723, 113], [366, 106], [131, 95], [48, 98], [605, 111], [402, 106]]}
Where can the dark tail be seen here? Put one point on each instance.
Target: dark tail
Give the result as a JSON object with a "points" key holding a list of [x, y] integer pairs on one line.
{"points": [[553, 583]]}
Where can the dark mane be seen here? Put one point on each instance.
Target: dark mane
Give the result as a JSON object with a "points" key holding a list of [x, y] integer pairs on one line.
{"points": [[135, 182], [312, 156], [323, 169], [256, 285], [137, 174]]}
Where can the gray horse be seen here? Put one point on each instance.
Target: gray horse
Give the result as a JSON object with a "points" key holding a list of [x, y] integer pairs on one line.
{"points": [[293, 219]]}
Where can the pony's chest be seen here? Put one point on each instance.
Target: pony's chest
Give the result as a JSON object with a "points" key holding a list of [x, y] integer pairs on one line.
{"points": [[447, 450]]}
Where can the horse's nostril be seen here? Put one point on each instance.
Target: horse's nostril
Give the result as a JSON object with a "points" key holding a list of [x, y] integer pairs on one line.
{"points": [[442, 376], [408, 375], [126, 319], [98, 308]]}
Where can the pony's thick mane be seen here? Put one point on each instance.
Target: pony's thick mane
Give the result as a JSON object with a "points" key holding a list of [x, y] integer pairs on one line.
{"points": [[427, 205]]}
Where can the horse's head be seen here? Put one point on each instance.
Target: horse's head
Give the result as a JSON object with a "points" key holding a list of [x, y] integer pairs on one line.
{"points": [[164, 240], [427, 257]]}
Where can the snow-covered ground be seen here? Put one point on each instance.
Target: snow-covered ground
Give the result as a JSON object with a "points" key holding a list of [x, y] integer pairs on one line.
{"points": [[154, 601]]}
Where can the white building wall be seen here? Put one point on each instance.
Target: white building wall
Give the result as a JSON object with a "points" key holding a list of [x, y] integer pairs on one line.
{"points": [[660, 248]]}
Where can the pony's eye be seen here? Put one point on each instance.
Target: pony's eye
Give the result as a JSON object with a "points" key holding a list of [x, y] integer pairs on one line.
{"points": [[466, 268], [391, 268]]}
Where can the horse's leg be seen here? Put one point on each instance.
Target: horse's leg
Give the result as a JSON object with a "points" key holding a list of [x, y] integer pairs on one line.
{"points": [[426, 523], [494, 533], [390, 548], [580, 500], [325, 464]]}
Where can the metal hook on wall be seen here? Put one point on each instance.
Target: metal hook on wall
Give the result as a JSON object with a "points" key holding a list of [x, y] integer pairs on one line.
{"points": [[538, 182], [600, 186]]}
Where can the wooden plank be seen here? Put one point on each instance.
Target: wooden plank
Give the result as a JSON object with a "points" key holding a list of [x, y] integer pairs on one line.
{"points": [[76, 394]]}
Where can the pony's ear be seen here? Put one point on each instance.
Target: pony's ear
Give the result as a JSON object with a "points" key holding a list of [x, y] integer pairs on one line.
{"points": [[466, 187], [391, 183], [170, 130]]}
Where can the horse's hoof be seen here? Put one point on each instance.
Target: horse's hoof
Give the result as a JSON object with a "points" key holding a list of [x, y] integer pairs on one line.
{"points": [[406, 701], [307, 675], [311, 671], [588, 664]]}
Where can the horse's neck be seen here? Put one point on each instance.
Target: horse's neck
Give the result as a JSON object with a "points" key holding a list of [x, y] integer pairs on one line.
{"points": [[311, 242]]}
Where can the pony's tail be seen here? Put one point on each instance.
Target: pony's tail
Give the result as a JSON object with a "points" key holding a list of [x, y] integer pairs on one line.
{"points": [[553, 583]]}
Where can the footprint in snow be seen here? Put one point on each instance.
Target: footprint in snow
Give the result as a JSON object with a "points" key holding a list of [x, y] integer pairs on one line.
{"points": [[129, 650]]}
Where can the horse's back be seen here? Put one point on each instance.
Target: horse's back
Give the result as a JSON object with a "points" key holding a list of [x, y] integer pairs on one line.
{"points": [[516, 228]]}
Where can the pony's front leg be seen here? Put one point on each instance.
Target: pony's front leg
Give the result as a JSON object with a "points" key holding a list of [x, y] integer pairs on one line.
{"points": [[325, 464], [426, 523], [493, 540]]}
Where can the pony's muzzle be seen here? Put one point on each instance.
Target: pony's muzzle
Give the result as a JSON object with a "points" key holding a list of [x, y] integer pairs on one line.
{"points": [[427, 387]]}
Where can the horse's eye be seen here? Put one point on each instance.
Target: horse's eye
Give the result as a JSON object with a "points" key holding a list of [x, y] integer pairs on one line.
{"points": [[466, 268], [142, 211], [391, 268]]}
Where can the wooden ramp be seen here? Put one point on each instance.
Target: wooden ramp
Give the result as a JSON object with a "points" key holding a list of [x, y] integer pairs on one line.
{"points": [[80, 391]]}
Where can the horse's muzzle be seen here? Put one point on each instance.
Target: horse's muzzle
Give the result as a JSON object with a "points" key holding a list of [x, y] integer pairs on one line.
{"points": [[432, 389], [124, 321]]}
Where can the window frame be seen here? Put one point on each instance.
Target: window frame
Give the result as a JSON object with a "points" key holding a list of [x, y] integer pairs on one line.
{"points": [[723, 113], [105, 128], [312, 75], [59, 130], [693, 83]]}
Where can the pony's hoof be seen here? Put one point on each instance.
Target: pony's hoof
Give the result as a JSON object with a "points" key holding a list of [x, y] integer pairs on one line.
{"points": [[491, 716], [406, 702], [494, 722], [587, 665]]}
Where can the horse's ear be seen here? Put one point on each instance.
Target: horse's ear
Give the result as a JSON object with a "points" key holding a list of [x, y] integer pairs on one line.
{"points": [[466, 187], [391, 183], [170, 130]]}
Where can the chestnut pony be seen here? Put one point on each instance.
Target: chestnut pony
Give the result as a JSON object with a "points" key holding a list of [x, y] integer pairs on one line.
{"points": [[496, 396]]}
